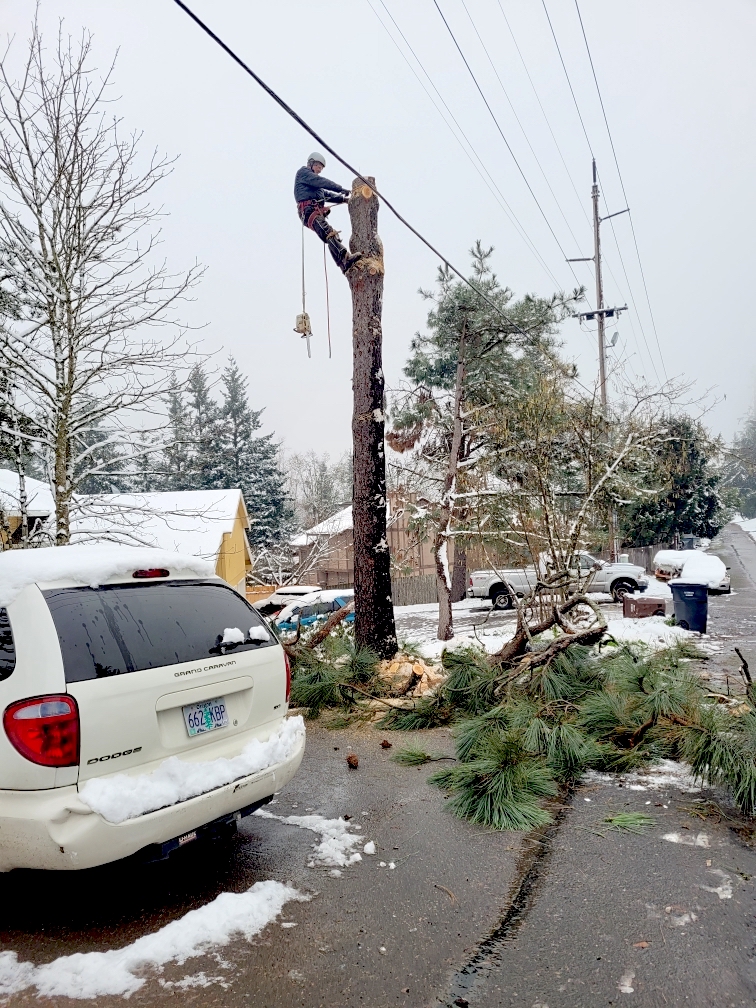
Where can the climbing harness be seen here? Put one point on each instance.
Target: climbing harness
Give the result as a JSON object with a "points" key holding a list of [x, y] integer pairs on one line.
{"points": [[303, 319]]}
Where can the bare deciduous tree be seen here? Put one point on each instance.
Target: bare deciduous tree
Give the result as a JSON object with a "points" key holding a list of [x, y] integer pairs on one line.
{"points": [[78, 267]]}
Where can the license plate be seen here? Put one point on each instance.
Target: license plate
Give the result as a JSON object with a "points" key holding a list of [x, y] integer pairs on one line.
{"points": [[205, 716]]}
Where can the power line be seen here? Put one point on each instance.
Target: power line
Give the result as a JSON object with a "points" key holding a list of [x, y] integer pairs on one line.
{"points": [[297, 118], [590, 148], [503, 137], [622, 184], [519, 123], [480, 168], [543, 112], [569, 82]]}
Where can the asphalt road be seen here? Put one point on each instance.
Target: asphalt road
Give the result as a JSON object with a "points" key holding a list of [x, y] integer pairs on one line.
{"points": [[618, 918], [551, 920]]}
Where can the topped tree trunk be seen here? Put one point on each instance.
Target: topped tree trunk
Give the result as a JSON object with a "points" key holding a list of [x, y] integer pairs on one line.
{"points": [[373, 608]]}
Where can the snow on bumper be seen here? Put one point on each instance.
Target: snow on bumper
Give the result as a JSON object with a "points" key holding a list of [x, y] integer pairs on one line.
{"points": [[55, 830]]}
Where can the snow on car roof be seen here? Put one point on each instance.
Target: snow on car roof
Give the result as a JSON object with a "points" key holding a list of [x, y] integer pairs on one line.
{"points": [[88, 564], [695, 567], [313, 599]]}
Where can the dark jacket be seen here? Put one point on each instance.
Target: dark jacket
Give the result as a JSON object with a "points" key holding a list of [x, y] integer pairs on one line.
{"points": [[310, 186]]}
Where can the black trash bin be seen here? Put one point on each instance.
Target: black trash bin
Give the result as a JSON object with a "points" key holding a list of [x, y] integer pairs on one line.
{"points": [[691, 605]]}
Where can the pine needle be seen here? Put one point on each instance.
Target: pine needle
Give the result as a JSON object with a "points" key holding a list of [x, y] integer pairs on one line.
{"points": [[629, 822], [412, 756]]}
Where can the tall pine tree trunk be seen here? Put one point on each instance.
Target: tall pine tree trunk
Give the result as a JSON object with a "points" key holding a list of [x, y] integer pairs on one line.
{"points": [[446, 511], [373, 608]]}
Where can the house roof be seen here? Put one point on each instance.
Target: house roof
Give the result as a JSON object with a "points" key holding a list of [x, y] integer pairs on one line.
{"points": [[40, 502], [339, 522], [192, 522]]}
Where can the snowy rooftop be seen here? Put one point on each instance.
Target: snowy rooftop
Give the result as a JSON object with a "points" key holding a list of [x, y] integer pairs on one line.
{"points": [[91, 564], [39, 499], [192, 522], [339, 522]]}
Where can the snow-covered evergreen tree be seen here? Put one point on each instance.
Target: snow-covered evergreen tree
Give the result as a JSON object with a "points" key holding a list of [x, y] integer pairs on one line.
{"points": [[740, 468], [250, 462], [175, 465], [205, 427], [688, 500]]}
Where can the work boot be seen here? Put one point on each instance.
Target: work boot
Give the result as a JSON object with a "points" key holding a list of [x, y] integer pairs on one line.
{"points": [[350, 260]]}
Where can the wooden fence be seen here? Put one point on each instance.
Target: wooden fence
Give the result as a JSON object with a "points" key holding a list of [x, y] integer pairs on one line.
{"points": [[641, 555], [419, 590]]}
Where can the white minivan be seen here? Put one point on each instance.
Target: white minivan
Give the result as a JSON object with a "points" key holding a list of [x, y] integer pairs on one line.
{"points": [[143, 704]]}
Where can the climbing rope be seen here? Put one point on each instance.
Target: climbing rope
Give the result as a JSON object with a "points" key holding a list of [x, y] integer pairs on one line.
{"points": [[303, 320], [328, 301]]}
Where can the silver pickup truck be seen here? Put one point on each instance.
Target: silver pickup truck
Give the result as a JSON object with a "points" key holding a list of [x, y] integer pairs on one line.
{"points": [[616, 579]]}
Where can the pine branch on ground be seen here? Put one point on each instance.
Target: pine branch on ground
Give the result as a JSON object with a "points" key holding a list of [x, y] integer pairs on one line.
{"points": [[412, 756], [629, 822]]}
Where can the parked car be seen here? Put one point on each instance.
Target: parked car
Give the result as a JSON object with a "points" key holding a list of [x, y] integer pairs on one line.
{"points": [[283, 596], [112, 661], [695, 564], [616, 579], [316, 606]]}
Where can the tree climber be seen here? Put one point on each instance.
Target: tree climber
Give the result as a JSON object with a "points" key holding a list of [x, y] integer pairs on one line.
{"points": [[311, 191]]}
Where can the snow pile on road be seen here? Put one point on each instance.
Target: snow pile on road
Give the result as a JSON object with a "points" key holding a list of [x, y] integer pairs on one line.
{"points": [[124, 797], [336, 848], [662, 775], [90, 565], [652, 631], [87, 975]]}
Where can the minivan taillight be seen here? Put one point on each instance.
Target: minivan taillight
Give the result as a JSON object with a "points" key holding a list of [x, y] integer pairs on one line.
{"points": [[471, 582], [45, 729], [151, 572], [288, 676]]}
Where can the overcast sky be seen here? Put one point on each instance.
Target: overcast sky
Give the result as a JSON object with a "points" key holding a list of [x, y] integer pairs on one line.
{"points": [[678, 80]]}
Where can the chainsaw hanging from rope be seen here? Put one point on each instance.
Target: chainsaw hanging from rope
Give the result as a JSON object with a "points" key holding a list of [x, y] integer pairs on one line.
{"points": [[303, 325]]}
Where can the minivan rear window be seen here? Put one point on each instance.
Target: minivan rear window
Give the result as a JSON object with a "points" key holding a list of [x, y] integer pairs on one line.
{"points": [[116, 629]]}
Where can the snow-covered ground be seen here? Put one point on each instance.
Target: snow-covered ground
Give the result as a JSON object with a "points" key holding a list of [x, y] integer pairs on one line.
{"points": [[229, 917], [88, 975], [477, 624], [654, 632]]}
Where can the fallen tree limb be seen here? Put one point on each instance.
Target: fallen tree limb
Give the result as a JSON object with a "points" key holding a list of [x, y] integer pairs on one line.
{"points": [[516, 647], [320, 635]]}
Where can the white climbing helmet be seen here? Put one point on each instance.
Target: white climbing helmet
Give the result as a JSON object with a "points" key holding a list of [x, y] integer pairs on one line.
{"points": [[316, 156]]}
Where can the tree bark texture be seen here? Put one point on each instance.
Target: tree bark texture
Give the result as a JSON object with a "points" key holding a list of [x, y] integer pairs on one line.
{"points": [[373, 608], [446, 511]]}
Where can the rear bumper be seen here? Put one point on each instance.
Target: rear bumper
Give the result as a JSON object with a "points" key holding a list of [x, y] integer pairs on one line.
{"points": [[54, 830]]}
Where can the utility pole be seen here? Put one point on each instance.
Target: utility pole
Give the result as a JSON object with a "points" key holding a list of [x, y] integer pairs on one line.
{"points": [[599, 289], [373, 607], [601, 314]]}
